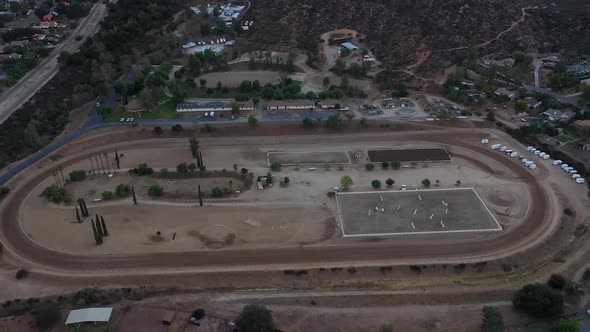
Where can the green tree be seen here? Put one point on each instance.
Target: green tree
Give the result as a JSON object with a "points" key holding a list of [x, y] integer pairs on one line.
{"points": [[182, 168], [194, 146], [32, 136], [54, 193], [426, 183], [396, 164], [384, 165], [521, 106], [216, 192], [194, 64], [252, 122], [363, 122], [307, 123], [333, 121], [566, 325], [339, 67], [556, 281], [538, 300], [376, 184], [107, 195], [255, 318], [155, 191], [369, 166], [177, 128], [77, 175], [492, 320], [122, 190], [246, 86], [275, 167], [389, 182], [326, 82], [346, 182], [46, 314]]}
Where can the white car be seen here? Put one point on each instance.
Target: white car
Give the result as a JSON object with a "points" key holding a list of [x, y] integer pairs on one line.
{"points": [[580, 180], [575, 176], [557, 162], [122, 120]]}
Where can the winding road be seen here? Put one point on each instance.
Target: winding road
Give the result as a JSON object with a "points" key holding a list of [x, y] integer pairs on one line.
{"points": [[15, 97]]}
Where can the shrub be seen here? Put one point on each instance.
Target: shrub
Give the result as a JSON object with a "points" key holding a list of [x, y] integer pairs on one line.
{"points": [[90, 295], [198, 314], [255, 318], [426, 183], [107, 195], [158, 130], [21, 274], [384, 165], [389, 182], [177, 128], [78, 175], [275, 167], [122, 190], [182, 168], [155, 191], [492, 320], [369, 166], [46, 314], [538, 300], [568, 212], [307, 123], [54, 193], [136, 293], [330, 194], [346, 182], [376, 184], [556, 281], [143, 169], [216, 192], [396, 164]]}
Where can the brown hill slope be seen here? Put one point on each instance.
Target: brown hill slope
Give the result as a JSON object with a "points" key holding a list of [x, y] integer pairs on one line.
{"points": [[397, 30]]}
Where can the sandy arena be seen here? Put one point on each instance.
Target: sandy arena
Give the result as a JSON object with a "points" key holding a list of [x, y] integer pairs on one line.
{"points": [[296, 224]]}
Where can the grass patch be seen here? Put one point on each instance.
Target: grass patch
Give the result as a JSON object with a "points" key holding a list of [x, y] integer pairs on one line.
{"points": [[196, 92], [167, 110], [563, 139]]}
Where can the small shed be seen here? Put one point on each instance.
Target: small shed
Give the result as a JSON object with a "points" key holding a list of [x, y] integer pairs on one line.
{"points": [[350, 46], [168, 317], [89, 315]]}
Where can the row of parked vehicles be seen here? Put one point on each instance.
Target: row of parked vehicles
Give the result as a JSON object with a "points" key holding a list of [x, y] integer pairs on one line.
{"points": [[537, 153]]}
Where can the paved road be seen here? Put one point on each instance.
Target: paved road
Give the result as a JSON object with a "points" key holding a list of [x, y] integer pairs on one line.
{"points": [[537, 226], [12, 99]]}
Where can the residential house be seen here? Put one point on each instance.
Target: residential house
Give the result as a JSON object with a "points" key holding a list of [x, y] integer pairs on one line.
{"points": [[533, 103], [506, 93], [2, 49], [47, 17], [290, 105], [213, 106], [554, 115], [581, 68], [20, 43], [506, 63]]}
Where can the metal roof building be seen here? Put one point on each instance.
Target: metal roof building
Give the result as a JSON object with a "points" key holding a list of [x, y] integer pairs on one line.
{"points": [[350, 46], [89, 315]]}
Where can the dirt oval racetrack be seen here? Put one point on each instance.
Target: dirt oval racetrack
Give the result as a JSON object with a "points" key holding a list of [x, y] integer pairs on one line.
{"points": [[448, 248]]}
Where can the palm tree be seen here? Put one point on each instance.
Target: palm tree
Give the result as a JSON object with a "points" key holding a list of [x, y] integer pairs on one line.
{"points": [[55, 179], [61, 171], [92, 164], [106, 158]]}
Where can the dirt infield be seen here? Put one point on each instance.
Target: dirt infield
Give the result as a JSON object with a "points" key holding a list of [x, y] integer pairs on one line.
{"points": [[414, 212], [438, 154], [309, 158]]}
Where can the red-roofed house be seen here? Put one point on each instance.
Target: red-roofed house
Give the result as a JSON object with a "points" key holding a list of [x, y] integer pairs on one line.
{"points": [[38, 36], [47, 17]]}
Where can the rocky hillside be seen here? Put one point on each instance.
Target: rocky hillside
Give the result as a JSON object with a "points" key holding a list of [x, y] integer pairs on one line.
{"points": [[397, 30]]}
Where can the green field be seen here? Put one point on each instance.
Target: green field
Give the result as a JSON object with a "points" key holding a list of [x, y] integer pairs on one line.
{"points": [[563, 139]]}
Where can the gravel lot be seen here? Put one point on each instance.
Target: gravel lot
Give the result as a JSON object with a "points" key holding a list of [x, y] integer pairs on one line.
{"points": [[438, 154], [309, 158]]}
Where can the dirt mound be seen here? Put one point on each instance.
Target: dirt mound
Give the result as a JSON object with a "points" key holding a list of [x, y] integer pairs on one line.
{"points": [[501, 198]]}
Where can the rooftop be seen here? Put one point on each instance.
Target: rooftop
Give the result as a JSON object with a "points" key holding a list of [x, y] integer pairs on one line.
{"points": [[283, 103], [89, 315]]}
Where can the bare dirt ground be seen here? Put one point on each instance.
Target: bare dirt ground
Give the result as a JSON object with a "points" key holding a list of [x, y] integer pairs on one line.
{"points": [[275, 217]]}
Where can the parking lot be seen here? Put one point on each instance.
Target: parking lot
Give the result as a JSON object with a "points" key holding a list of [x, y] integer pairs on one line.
{"points": [[414, 212]]}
